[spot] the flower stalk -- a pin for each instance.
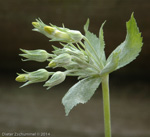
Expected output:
(106, 105)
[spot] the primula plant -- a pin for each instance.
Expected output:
(82, 56)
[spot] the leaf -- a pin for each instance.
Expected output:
(131, 47)
(102, 44)
(86, 26)
(97, 43)
(112, 65)
(81, 92)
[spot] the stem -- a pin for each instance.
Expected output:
(106, 105)
(79, 61)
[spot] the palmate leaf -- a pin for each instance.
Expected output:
(98, 44)
(130, 48)
(81, 92)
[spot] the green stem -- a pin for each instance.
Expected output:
(106, 105)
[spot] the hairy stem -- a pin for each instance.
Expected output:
(106, 105)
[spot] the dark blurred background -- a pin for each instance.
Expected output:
(33, 109)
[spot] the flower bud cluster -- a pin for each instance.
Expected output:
(74, 60)
(72, 57)
(68, 56)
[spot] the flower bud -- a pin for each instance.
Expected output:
(33, 77)
(75, 35)
(39, 27)
(52, 64)
(77, 53)
(64, 35)
(71, 51)
(57, 78)
(72, 66)
(35, 55)
(61, 60)
(35, 24)
(22, 78)
(58, 33)
(49, 29)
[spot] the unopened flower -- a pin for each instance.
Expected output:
(35, 55)
(72, 51)
(33, 77)
(39, 27)
(61, 60)
(22, 77)
(58, 33)
(57, 78)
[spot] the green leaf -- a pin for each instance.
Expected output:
(86, 26)
(102, 44)
(131, 47)
(112, 65)
(81, 92)
(97, 43)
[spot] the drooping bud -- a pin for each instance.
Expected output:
(57, 78)
(61, 60)
(33, 77)
(58, 33)
(35, 55)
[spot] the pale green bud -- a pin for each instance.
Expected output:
(71, 51)
(61, 60)
(33, 77)
(35, 55)
(72, 66)
(75, 35)
(58, 33)
(39, 27)
(66, 35)
(57, 78)
(77, 53)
